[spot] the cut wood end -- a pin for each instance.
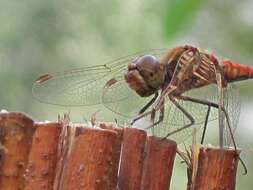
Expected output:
(158, 163)
(17, 118)
(212, 167)
(162, 142)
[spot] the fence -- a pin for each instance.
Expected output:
(57, 156)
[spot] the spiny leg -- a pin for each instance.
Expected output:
(205, 125)
(160, 119)
(140, 116)
(148, 104)
(142, 112)
(214, 105)
(188, 115)
(244, 166)
(152, 113)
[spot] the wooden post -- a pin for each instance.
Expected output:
(90, 162)
(158, 163)
(40, 170)
(146, 162)
(216, 169)
(132, 158)
(116, 155)
(56, 156)
(16, 131)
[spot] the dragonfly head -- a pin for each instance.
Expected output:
(145, 75)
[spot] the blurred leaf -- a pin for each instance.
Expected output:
(178, 14)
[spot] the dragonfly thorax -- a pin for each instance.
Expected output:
(145, 75)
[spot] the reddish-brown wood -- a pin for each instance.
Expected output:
(158, 164)
(16, 132)
(216, 169)
(65, 140)
(90, 162)
(40, 170)
(132, 157)
(57, 156)
(116, 155)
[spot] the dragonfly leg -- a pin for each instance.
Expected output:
(141, 116)
(188, 115)
(148, 104)
(152, 116)
(142, 112)
(214, 105)
(152, 113)
(205, 125)
(185, 62)
(160, 119)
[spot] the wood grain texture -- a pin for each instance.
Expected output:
(117, 152)
(158, 164)
(90, 162)
(41, 166)
(216, 169)
(132, 157)
(16, 131)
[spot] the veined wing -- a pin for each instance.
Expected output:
(127, 101)
(83, 86)
(121, 100)
(175, 119)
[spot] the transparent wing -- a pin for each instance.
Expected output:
(127, 103)
(121, 100)
(174, 118)
(233, 106)
(105, 84)
(84, 86)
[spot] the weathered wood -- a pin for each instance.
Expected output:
(158, 164)
(132, 157)
(216, 169)
(16, 132)
(116, 155)
(64, 146)
(61, 157)
(40, 170)
(90, 162)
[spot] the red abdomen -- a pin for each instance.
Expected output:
(236, 72)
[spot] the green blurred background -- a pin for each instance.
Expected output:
(38, 37)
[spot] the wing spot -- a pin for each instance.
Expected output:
(110, 82)
(43, 78)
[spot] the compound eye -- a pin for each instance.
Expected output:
(146, 60)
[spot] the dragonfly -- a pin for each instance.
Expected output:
(167, 90)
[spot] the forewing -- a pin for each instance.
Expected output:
(84, 86)
(122, 100)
